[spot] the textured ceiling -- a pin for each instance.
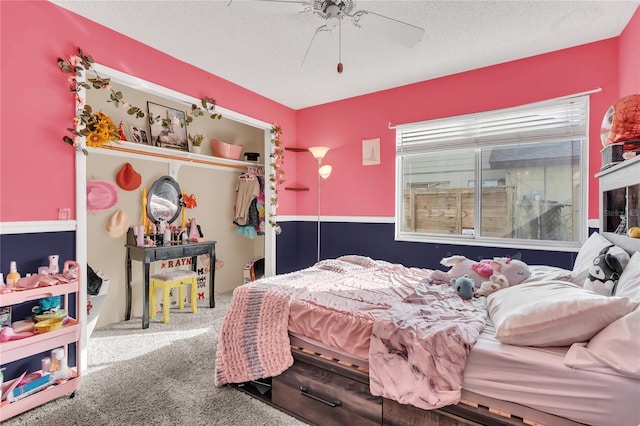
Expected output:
(261, 45)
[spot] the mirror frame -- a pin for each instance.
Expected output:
(164, 180)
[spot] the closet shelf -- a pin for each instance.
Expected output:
(172, 154)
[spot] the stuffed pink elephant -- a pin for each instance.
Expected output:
(515, 271)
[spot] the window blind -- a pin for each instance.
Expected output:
(548, 121)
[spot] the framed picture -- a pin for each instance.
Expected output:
(370, 152)
(170, 129)
(137, 134)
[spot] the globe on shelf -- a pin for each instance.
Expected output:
(621, 122)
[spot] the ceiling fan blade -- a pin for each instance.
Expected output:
(392, 29)
(271, 7)
(320, 47)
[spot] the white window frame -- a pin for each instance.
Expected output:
(468, 132)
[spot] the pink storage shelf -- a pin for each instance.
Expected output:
(70, 332)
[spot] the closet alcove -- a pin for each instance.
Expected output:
(211, 179)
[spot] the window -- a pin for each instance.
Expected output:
(528, 159)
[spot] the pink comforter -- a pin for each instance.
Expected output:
(419, 347)
(339, 302)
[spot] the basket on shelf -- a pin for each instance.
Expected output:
(50, 324)
(225, 150)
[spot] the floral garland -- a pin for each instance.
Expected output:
(98, 128)
(277, 172)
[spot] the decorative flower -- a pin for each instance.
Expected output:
(81, 62)
(97, 128)
(277, 171)
(189, 201)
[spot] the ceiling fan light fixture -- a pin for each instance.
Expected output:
(333, 11)
(332, 8)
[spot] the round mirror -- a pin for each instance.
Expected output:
(163, 200)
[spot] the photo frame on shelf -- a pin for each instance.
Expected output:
(168, 128)
(137, 134)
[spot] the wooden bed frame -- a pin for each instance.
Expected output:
(319, 389)
(322, 389)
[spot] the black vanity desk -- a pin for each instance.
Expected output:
(154, 254)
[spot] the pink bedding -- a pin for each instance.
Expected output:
(254, 342)
(340, 302)
(419, 348)
(339, 309)
(334, 302)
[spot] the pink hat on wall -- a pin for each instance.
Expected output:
(101, 195)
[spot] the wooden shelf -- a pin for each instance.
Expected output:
(297, 187)
(128, 148)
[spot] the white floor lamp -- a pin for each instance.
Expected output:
(324, 172)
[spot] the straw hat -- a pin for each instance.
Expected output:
(118, 224)
(101, 195)
(127, 178)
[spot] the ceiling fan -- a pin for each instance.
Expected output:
(333, 12)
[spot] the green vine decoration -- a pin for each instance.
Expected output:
(276, 177)
(86, 122)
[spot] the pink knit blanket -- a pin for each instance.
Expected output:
(254, 342)
(419, 347)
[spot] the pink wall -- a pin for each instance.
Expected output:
(356, 190)
(629, 74)
(36, 167)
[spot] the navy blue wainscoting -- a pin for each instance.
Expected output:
(31, 251)
(296, 247)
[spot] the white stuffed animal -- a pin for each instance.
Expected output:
(498, 282)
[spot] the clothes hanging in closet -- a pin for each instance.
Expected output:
(250, 209)
(248, 189)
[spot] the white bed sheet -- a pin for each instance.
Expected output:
(537, 378)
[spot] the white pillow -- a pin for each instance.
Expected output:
(629, 282)
(589, 251)
(552, 313)
(546, 273)
(586, 254)
(617, 347)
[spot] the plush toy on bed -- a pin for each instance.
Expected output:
(514, 270)
(497, 282)
(464, 286)
(604, 273)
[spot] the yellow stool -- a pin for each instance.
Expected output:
(168, 280)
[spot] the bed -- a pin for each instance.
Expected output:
(354, 340)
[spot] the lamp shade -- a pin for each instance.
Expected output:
(318, 152)
(324, 171)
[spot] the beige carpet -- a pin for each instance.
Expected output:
(159, 376)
